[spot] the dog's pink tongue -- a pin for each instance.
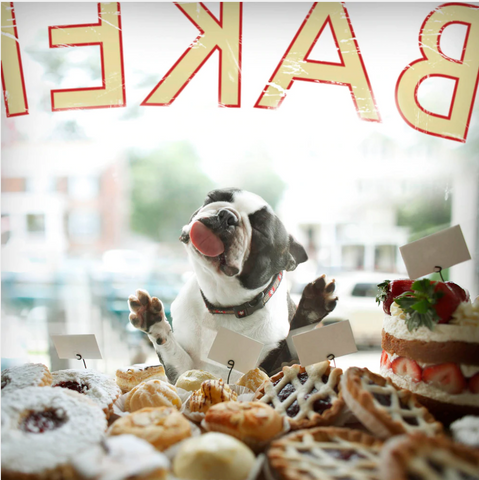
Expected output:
(205, 240)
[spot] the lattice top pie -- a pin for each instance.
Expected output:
(420, 457)
(308, 396)
(383, 409)
(326, 453)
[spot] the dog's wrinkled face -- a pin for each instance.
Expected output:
(236, 233)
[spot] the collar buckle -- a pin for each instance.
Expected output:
(249, 307)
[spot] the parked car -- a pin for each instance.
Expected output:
(356, 293)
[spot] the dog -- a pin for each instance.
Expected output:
(239, 250)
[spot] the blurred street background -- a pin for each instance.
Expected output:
(93, 201)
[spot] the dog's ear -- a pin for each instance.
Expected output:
(296, 254)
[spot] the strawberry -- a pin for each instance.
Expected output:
(388, 291)
(406, 366)
(429, 303)
(385, 362)
(446, 376)
(459, 291)
(474, 383)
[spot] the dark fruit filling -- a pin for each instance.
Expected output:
(286, 391)
(384, 400)
(344, 454)
(5, 381)
(435, 466)
(319, 405)
(293, 409)
(75, 386)
(411, 420)
(39, 422)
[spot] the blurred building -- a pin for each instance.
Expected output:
(61, 198)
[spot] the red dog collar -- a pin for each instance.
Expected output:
(247, 308)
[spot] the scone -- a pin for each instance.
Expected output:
(213, 456)
(129, 377)
(191, 380)
(162, 426)
(253, 379)
(254, 423)
(211, 393)
(153, 393)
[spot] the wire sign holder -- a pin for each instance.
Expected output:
(78, 347)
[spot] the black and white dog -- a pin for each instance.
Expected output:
(239, 250)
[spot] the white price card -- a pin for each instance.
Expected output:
(443, 249)
(316, 345)
(70, 346)
(229, 345)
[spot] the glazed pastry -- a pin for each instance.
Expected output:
(211, 393)
(213, 456)
(254, 423)
(191, 380)
(325, 452)
(161, 426)
(307, 396)
(123, 457)
(253, 379)
(153, 393)
(97, 386)
(27, 375)
(383, 409)
(42, 428)
(129, 377)
(427, 458)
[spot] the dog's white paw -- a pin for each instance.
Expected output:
(148, 315)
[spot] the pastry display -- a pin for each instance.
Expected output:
(325, 452)
(253, 379)
(161, 426)
(254, 423)
(424, 458)
(430, 342)
(97, 386)
(191, 380)
(307, 396)
(153, 393)
(123, 457)
(42, 428)
(213, 456)
(383, 409)
(129, 377)
(210, 393)
(27, 375)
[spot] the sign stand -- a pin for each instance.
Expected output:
(231, 363)
(76, 347)
(439, 270)
(81, 358)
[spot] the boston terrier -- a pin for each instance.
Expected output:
(239, 250)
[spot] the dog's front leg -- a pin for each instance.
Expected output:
(147, 314)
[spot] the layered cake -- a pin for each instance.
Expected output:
(430, 342)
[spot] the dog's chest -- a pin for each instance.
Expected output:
(195, 328)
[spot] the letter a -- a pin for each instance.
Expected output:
(295, 65)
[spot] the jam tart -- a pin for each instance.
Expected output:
(419, 457)
(325, 452)
(308, 396)
(383, 409)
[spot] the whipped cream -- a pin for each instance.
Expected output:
(467, 314)
(427, 390)
(395, 325)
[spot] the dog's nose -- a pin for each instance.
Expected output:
(227, 218)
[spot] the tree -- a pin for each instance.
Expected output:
(168, 185)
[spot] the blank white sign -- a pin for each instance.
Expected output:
(69, 346)
(443, 249)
